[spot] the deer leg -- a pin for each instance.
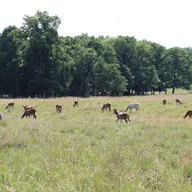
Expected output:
(126, 120)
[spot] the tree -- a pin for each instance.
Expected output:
(83, 81)
(141, 67)
(65, 65)
(125, 48)
(116, 82)
(177, 65)
(10, 61)
(153, 79)
(40, 68)
(108, 79)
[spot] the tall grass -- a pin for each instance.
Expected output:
(84, 149)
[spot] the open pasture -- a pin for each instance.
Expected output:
(84, 149)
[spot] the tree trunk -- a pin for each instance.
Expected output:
(173, 90)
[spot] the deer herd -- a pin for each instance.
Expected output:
(31, 110)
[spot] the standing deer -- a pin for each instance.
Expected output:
(75, 103)
(58, 108)
(29, 112)
(28, 107)
(122, 115)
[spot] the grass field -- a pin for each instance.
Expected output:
(84, 149)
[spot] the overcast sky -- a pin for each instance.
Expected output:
(167, 22)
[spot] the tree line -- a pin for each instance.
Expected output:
(36, 61)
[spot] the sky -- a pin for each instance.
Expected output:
(166, 22)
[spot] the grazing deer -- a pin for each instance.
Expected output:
(106, 106)
(164, 101)
(75, 103)
(132, 106)
(1, 117)
(122, 115)
(189, 113)
(10, 105)
(29, 112)
(178, 101)
(58, 108)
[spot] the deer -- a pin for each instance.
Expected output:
(106, 106)
(10, 105)
(29, 112)
(189, 113)
(28, 107)
(122, 115)
(132, 106)
(178, 101)
(58, 108)
(76, 103)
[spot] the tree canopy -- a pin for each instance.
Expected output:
(36, 61)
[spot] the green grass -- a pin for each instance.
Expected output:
(84, 149)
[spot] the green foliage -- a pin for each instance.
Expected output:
(10, 60)
(83, 82)
(36, 61)
(41, 70)
(177, 62)
(108, 79)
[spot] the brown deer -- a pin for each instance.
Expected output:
(164, 101)
(76, 103)
(178, 101)
(106, 106)
(10, 105)
(122, 115)
(58, 108)
(29, 112)
(27, 108)
(189, 113)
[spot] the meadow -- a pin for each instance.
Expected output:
(84, 149)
